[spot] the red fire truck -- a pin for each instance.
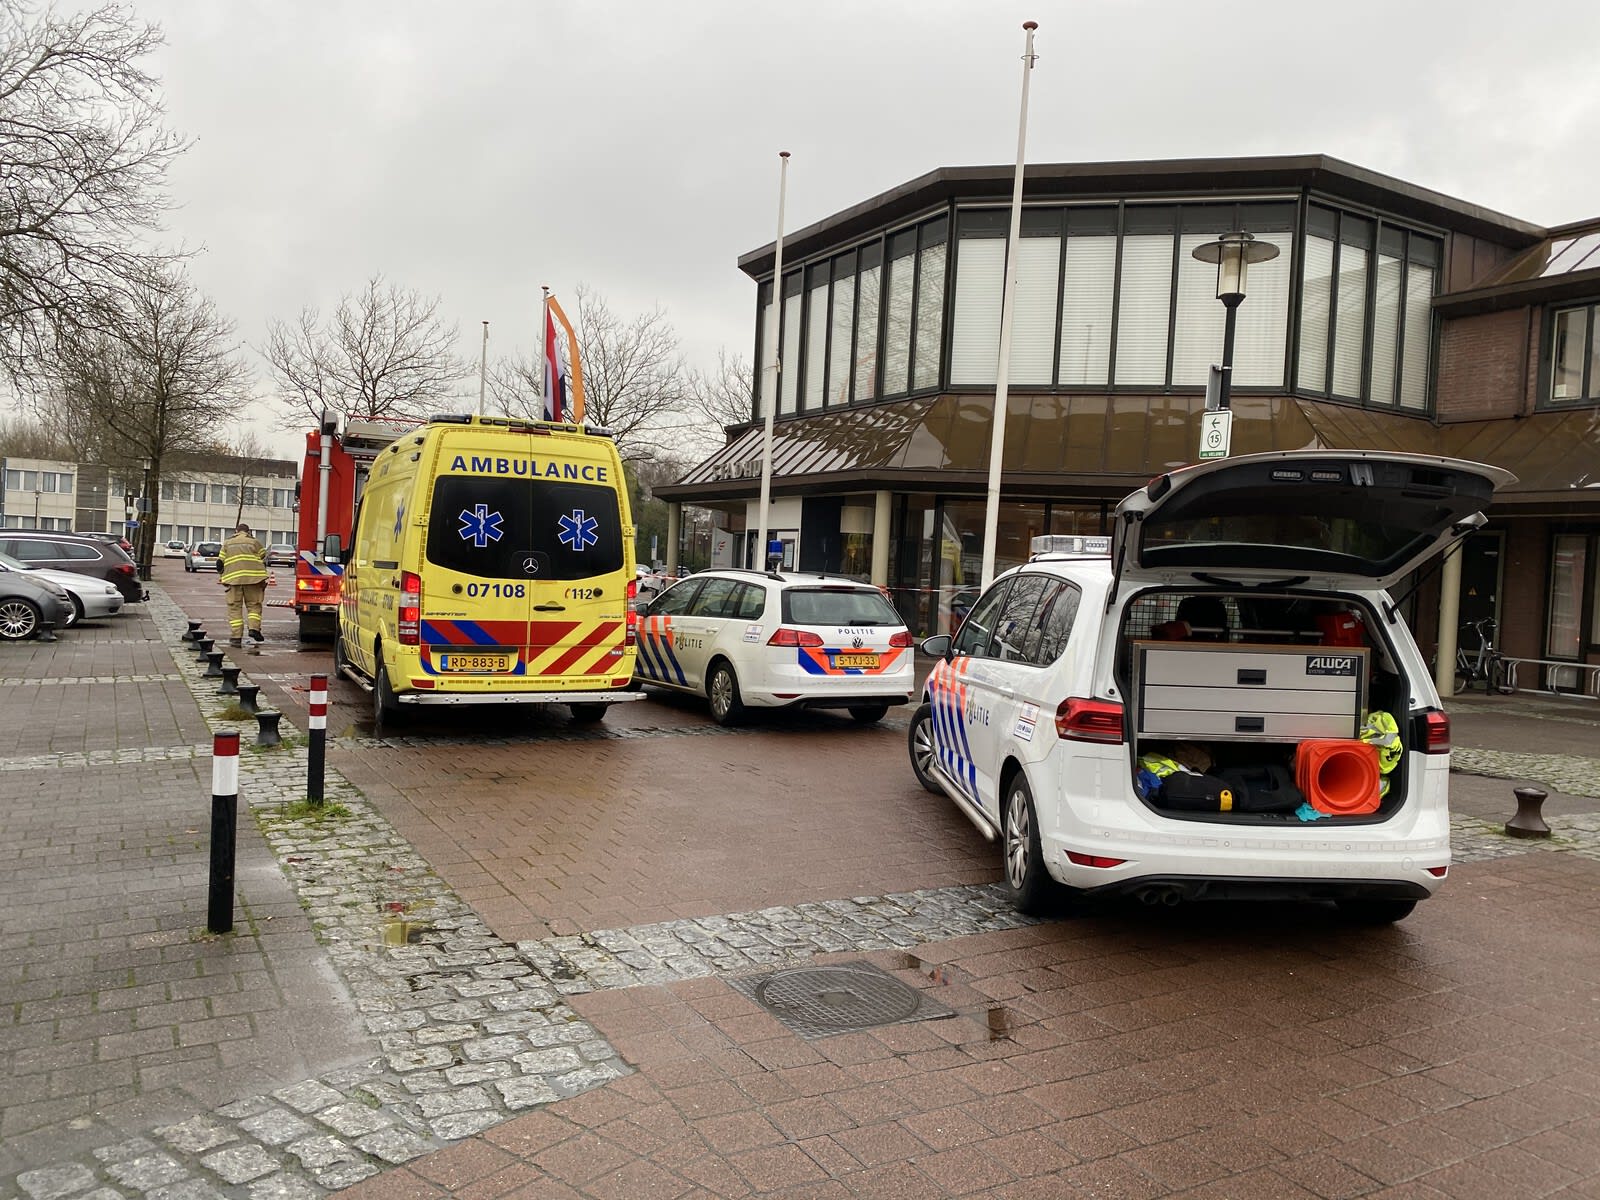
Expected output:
(331, 478)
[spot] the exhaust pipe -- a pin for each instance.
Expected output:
(1152, 896)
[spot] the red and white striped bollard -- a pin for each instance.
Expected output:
(318, 728)
(224, 825)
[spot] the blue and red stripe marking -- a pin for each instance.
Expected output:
(656, 658)
(948, 695)
(822, 662)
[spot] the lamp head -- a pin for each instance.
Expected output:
(1233, 253)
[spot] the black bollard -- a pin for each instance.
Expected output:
(214, 664)
(267, 728)
(1529, 822)
(204, 645)
(194, 633)
(247, 697)
(230, 681)
(224, 825)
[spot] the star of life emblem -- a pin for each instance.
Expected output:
(480, 526)
(578, 530)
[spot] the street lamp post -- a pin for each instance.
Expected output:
(1233, 253)
(147, 545)
(36, 494)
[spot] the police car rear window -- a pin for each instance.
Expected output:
(524, 528)
(837, 606)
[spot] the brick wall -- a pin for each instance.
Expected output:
(1483, 369)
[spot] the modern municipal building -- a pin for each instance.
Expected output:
(1392, 318)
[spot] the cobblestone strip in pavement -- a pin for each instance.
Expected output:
(1570, 773)
(474, 1029)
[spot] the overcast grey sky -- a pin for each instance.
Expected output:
(479, 149)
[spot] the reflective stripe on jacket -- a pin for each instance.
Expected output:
(242, 560)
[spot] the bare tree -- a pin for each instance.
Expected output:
(248, 458)
(46, 434)
(159, 383)
(724, 396)
(83, 160)
(384, 353)
(633, 376)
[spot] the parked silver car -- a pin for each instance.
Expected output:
(30, 607)
(91, 599)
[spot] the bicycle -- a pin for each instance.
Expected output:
(1487, 666)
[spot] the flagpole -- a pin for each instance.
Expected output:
(483, 366)
(997, 436)
(544, 353)
(769, 392)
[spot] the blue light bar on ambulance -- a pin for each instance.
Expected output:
(1068, 543)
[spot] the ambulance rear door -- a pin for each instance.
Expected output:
(527, 565)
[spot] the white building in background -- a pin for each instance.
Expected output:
(38, 493)
(195, 504)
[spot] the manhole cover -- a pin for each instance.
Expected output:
(822, 1001)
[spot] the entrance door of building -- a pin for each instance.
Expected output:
(1481, 558)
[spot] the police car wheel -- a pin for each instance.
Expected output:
(588, 714)
(722, 690)
(919, 742)
(1027, 881)
(1375, 912)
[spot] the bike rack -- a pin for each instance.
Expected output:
(1589, 676)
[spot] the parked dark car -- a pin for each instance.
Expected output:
(116, 539)
(75, 552)
(31, 607)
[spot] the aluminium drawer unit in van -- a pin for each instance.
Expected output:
(1249, 693)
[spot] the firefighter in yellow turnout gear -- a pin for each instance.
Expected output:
(242, 569)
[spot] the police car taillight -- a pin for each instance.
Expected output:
(902, 640)
(1435, 732)
(410, 608)
(794, 637)
(631, 636)
(1081, 720)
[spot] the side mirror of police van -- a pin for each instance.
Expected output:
(938, 646)
(330, 548)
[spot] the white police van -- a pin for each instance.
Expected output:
(1238, 616)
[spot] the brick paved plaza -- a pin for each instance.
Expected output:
(507, 971)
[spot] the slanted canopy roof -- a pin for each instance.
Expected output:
(1099, 446)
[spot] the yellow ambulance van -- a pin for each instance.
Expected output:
(492, 563)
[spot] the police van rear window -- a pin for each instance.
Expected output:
(837, 606)
(524, 528)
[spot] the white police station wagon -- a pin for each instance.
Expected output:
(769, 639)
(1238, 617)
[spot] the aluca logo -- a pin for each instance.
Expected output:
(1330, 664)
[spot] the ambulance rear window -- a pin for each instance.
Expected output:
(499, 528)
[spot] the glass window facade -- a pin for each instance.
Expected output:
(1573, 363)
(1366, 318)
(1111, 296)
